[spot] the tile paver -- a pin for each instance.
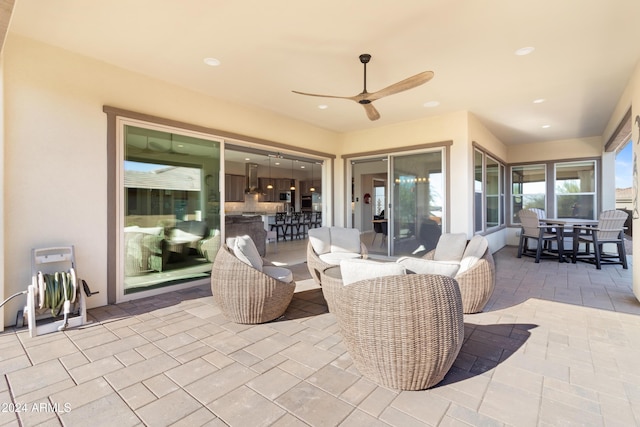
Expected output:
(556, 344)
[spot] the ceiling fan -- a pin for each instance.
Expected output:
(365, 98)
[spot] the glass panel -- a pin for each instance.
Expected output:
(575, 188)
(576, 206)
(418, 188)
(380, 197)
(492, 193)
(171, 208)
(502, 187)
(477, 189)
(579, 177)
(528, 189)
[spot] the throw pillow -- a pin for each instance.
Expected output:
(476, 248)
(450, 247)
(355, 270)
(345, 240)
(320, 239)
(245, 250)
(427, 266)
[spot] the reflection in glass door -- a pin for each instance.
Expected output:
(171, 210)
(417, 203)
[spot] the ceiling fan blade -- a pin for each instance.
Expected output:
(372, 113)
(353, 98)
(401, 86)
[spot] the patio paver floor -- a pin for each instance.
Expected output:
(557, 344)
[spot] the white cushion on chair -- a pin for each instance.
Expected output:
(450, 247)
(427, 266)
(320, 239)
(475, 250)
(245, 250)
(355, 270)
(345, 240)
(279, 273)
(335, 258)
(154, 231)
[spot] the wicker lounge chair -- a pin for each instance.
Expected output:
(245, 294)
(476, 283)
(475, 275)
(402, 332)
(325, 237)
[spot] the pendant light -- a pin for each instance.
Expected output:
(270, 185)
(313, 188)
(293, 183)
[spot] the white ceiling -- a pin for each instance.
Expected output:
(585, 52)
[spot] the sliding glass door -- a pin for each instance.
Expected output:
(397, 201)
(170, 210)
(417, 201)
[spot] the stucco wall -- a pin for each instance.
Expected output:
(55, 190)
(479, 134)
(562, 149)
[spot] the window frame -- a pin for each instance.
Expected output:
(512, 195)
(550, 195)
(480, 204)
(594, 193)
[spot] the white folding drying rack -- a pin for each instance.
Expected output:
(50, 261)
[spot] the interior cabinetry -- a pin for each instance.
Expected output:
(305, 188)
(268, 195)
(283, 185)
(234, 188)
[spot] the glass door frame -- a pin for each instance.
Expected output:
(389, 155)
(121, 123)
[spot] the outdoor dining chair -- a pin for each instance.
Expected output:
(610, 229)
(533, 229)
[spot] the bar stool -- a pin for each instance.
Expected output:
(279, 225)
(293, 226)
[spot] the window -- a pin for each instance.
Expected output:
(171, 208)
(379, 196)
(575, 189)
(488, 192)
(478, 165)
(416, 197)
(528, 189)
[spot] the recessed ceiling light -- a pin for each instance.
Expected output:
(277, 163)
(323, 106)
(247, 159)
(302, 167)
(546, 126)
(525, 51)
(212, 61)
(538, 101)
(431, 104)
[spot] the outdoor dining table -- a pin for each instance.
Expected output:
(561, 225)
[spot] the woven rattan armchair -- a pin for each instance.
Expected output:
(476, 283)
(402, 332)
(246, 295)
(316, 265)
